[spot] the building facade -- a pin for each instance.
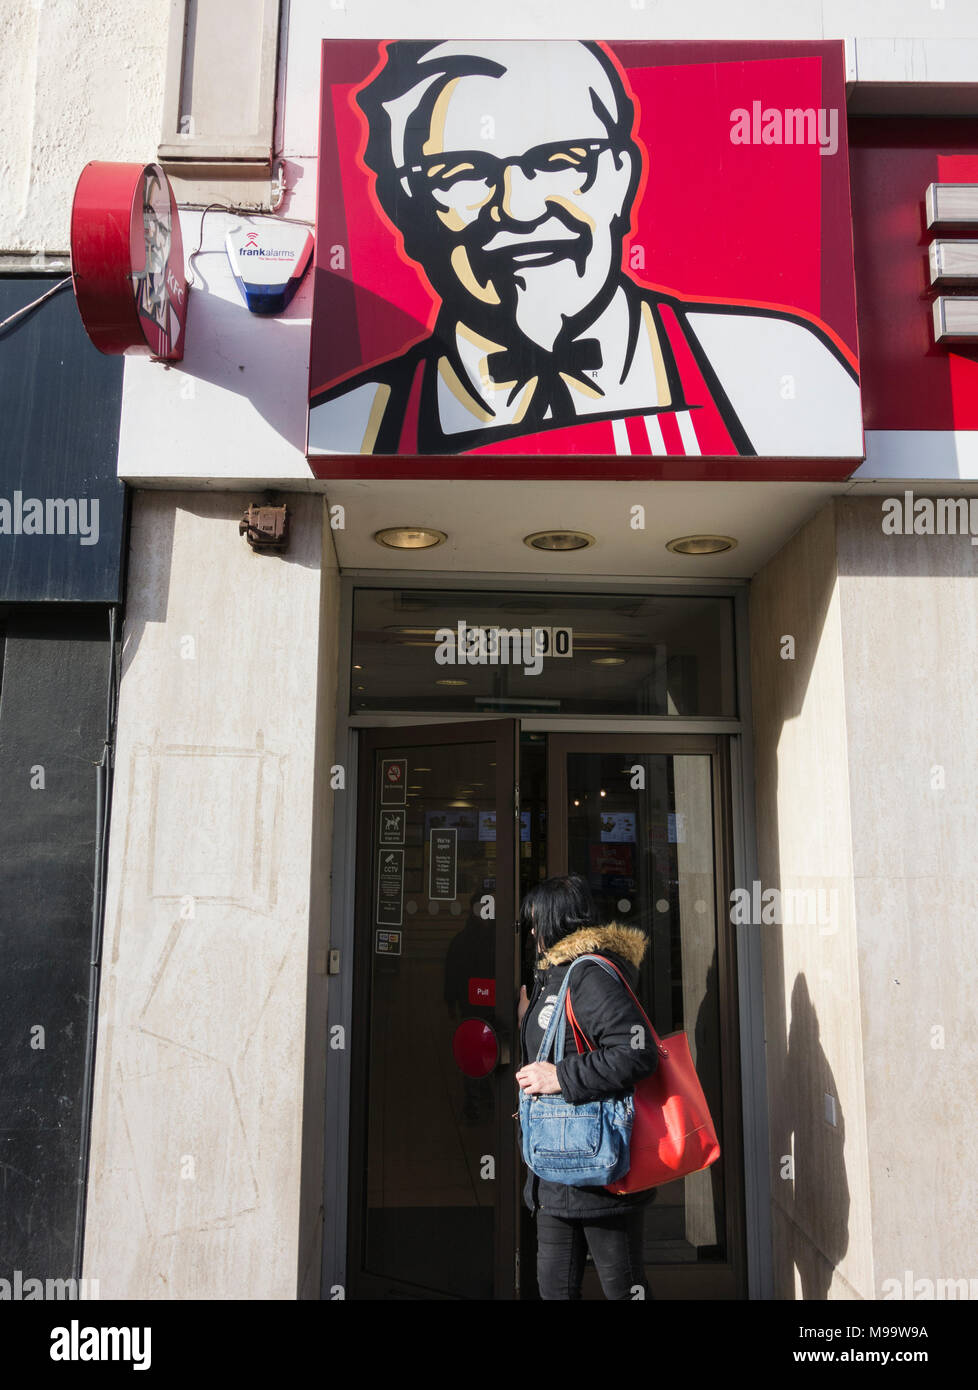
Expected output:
(720, 322)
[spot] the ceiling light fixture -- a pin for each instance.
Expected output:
(409, 537)
(558, 540)
(700, 545)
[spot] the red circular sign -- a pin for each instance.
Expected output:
(475, 1047)
(127, 260)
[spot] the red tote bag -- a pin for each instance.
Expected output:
(672, 1134)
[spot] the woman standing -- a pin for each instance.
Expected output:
(574, 1220)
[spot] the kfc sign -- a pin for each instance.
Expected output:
(567, 252)
(127, 260)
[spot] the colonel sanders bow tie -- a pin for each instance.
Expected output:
(553, 372)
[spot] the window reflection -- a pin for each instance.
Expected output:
(506, 653)
(640, 830)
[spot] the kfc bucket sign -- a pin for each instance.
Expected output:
(566, 252)
(127, 260)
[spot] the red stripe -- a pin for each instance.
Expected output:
(638, 439)
(589, 437)
(585, 468)
(711, 433)
(671, 437)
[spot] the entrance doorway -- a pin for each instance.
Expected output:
(455, 822)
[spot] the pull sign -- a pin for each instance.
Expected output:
(268, 263)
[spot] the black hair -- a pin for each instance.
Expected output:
(405, 67)
(557, 907)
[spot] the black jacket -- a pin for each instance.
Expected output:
(607, 1015)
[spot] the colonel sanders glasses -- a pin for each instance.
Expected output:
(564, 161)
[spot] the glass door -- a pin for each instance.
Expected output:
(645, 820)
(433, 1163)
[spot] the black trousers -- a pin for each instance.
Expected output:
(615, 1243)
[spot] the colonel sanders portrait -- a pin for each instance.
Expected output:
(511, 182)
(152, 294)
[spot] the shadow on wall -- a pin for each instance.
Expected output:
(820, 1188)
(152, 540)
(810, 1210)
(263, 359)
(266, 359)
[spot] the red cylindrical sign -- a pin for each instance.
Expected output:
(127, 260)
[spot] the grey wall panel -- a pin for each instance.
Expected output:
(52, 717)
(60, 402)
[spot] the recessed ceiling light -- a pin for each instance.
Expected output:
(447, 682)
(700, 545)
(607, 661)
(409, 537)
(558, 540)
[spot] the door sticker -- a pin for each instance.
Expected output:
(387, 943)
(391, 829)
(482, 992)
(390, 888)
(443, 865)
(393, 782)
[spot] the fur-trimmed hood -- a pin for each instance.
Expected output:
(628, 942)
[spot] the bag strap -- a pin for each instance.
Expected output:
(557, 1017)
(556, 1026)
(578, 1031)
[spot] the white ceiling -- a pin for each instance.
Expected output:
(486, 521)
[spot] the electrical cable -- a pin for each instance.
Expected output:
(237, 212)
(12, 318)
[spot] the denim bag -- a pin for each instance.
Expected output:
(578, 1145)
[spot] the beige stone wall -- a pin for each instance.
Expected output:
(311, 1215)
(909, 607)
(867, 763)
(82, 79)
(207, 1115)
(819, 1169)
